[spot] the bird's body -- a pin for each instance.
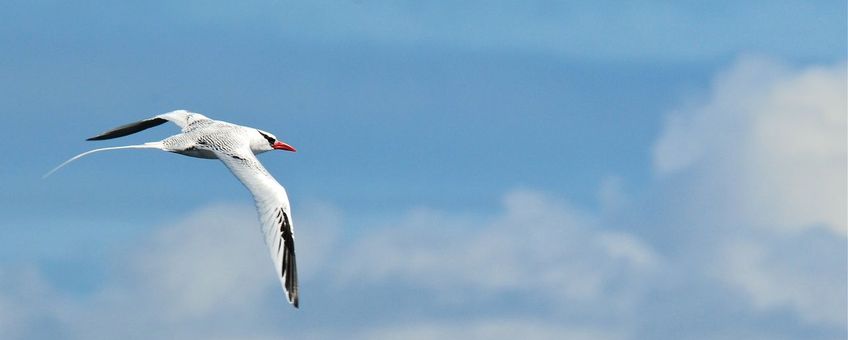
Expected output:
(236, 146)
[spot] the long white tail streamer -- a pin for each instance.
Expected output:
(151, 145)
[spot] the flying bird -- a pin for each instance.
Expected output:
(235, 146)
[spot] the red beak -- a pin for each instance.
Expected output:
(283, 146)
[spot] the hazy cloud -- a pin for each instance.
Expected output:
(491, 329)
(769, 143)
(805, 272)
(762, 166)
(536, 245)
(207, 275)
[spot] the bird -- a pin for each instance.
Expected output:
(235, 146)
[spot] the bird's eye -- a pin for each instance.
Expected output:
(268, 138)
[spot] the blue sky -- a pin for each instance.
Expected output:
(482, 169)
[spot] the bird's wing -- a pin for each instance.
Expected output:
(182, 118)
(272, 204)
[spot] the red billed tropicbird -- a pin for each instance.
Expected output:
(236, 146)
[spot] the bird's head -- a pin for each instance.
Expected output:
(262, 141)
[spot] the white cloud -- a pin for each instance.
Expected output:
(205, 276)
(762, 165)
(769, 146)
(490, 329)
(611, 195)
(537, 245)
(25, 298)
(798, 272)
(210, 260)
(209, 269)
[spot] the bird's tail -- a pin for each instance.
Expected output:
(151, 145)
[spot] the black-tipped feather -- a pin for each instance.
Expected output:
(289, 265)
(129, 129)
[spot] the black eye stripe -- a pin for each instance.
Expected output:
(268, 138)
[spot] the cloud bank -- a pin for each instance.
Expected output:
(763, 163)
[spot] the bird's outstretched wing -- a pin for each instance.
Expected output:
(272, 204)
(182, 118)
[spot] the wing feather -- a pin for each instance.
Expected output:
(131, 128)
(272, 204)
(181, 118)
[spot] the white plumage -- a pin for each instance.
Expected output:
(236, 146)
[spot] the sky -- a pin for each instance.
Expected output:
(465, 170)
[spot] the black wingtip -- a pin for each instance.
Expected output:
(289, 261)
(129, 129)
(291, 279)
